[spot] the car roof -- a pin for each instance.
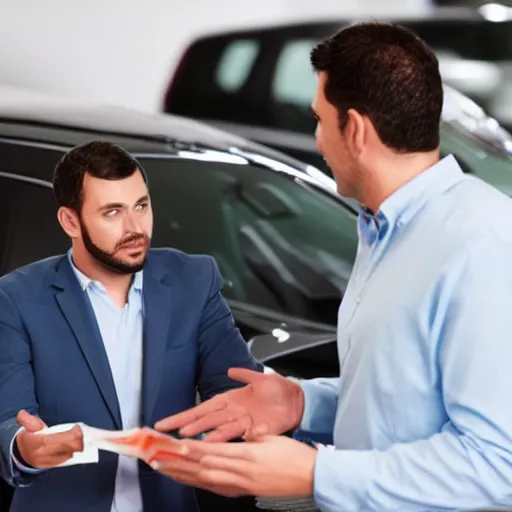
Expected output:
(38, 116)
(311, 25)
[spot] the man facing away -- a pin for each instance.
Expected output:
(113, 334)
(421, 413)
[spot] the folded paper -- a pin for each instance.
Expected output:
(137, 442)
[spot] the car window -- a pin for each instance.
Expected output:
(235, 64)
(293, 87)
(294, 79)
(278, 244)
(29, 229)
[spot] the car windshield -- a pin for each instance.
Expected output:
(279, 243)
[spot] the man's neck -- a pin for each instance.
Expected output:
(390, 174)
(117, 285)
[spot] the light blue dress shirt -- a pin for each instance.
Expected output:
(422, 411)
(122, 334)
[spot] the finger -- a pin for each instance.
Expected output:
(229, 464)
(208, 478)
(30, 422)
(213, 420)
(226, 432)
(200, 449)
(173, 467)
(52, 461)
(193, 481)
(244, 375)
(76, 439)
(181, 419)
(64, 442)
(167, 452)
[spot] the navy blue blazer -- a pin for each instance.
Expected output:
(53, 364)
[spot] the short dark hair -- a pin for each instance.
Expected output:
(100, 159)
(386, 72)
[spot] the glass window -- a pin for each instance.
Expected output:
(236, 63)
(294, 80)
(293, 87)
(29, 230)
(278, 244)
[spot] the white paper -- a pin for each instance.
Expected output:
(89, 455)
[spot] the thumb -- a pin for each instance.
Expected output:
(30, 422)
(244, 375)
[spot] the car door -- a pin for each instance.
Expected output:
(29, 230)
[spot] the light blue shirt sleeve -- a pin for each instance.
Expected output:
(468, 464)
(18, 464)
(320, 404)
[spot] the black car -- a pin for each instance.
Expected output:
(259, 83)
(283, 239)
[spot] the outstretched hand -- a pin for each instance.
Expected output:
(273, 466)
(266, 405)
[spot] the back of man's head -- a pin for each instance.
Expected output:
(388, 74)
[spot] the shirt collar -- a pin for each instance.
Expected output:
(405, 202)
(85, 281)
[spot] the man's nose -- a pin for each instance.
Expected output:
(131, 224)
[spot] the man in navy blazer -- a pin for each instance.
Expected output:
(112, 334)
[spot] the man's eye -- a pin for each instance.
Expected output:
(142, 207)
(111, 213)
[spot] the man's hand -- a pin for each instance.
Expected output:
(268, 404)
(45, 451)
(273, 467)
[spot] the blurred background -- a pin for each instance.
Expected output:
(124, 52)
(284, 240)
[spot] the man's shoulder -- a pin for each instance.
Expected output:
(175, 261)
(30, 278)
(475, 209)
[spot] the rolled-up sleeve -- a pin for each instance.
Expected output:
(320, 405)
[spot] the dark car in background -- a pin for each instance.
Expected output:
(283, 239)
(259, 83)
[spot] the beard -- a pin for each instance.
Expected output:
(108, 259)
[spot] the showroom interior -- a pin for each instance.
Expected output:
(253, 255)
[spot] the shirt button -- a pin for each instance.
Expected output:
(358, 300)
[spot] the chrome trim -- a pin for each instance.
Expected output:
(294, 140)
(35, 144)
(26, 179)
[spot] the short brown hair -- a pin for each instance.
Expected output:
(100, 159)
(386, 72)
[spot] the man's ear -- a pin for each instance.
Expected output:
(68, 219)
(356, 131)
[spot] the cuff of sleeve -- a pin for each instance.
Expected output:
(319, 409)
(339, 481)
(16, 464)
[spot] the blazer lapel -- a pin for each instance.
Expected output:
(78, 311)
(157, 313)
